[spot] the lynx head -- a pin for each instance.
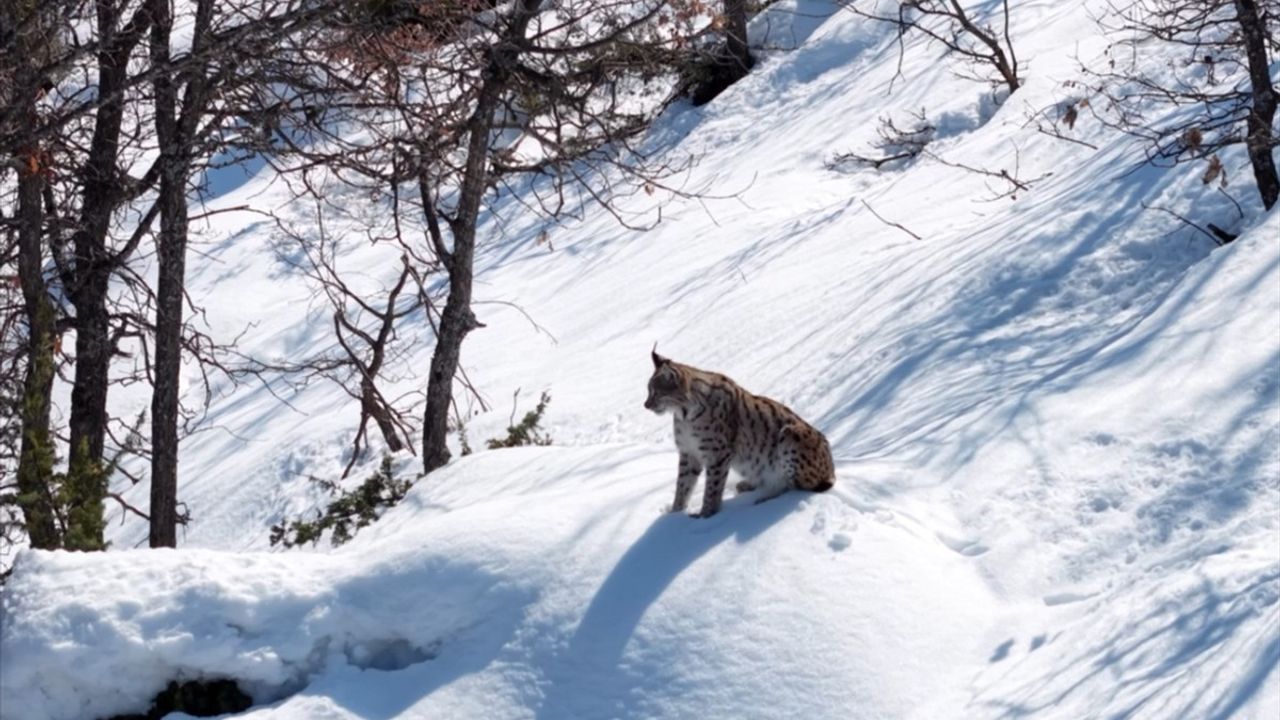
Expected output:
(668, 386)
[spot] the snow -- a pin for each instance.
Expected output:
(1056, 421)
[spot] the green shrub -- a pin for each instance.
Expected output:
(528, 431)
(348, 512)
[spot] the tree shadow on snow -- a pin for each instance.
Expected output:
(1209, 633)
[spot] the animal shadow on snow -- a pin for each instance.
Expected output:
(671, 544)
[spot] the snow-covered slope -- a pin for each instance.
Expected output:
(1056, 420)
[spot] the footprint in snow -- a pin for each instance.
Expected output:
(963, 546)
(842, 524)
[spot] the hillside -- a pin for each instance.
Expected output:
(1056, 421)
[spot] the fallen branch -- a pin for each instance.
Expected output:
(889, 222)
(1218, 239)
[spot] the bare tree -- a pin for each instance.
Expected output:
(1260, 138)
(985, 46)
(535, 100)
(896, 143)
(188, 126)
(30, 35)
(89, 102)
(174, 123)
(1219, 87)
(365, 331)
(103, 191)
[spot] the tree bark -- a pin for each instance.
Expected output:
(171, 255)
(36, 453)
(735, 35)
(176, 130)
(1260, 140)
(35, 460)
(457, 319)
(729, 62)
(101, 191)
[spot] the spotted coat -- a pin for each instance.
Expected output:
(720, 426)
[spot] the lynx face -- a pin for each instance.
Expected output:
(668, 388)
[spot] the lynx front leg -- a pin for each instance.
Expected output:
(690, 468)
(717, 474)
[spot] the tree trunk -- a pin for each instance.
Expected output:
(738, 53)
(36, 456)
(168, 364)
(176, 131)
(171, 254)
(86, 483)
(371, 407)
(1260, 139)
(35, 463)
(729, 62)
(457, 319)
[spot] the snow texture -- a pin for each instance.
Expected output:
(1056, 421)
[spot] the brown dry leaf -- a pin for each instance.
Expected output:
(1192, 138)
(1212, 172)
(1069, 117)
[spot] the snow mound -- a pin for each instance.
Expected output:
(567, 592)
(270, 622)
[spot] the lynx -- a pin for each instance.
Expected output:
(719, 426)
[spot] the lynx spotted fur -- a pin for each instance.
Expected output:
(719, 426)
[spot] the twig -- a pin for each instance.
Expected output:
(520, 310)
(1239, 210)
(127, 506)
(515, 400)
(1055, 133)
(890, 223)
(1217, 240)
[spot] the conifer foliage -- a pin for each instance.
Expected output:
(349, 511)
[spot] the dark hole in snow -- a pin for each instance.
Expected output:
(200, 698)
(396, 654)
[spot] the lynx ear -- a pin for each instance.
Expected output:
(658, 360)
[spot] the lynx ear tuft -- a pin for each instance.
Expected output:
(658, 360)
